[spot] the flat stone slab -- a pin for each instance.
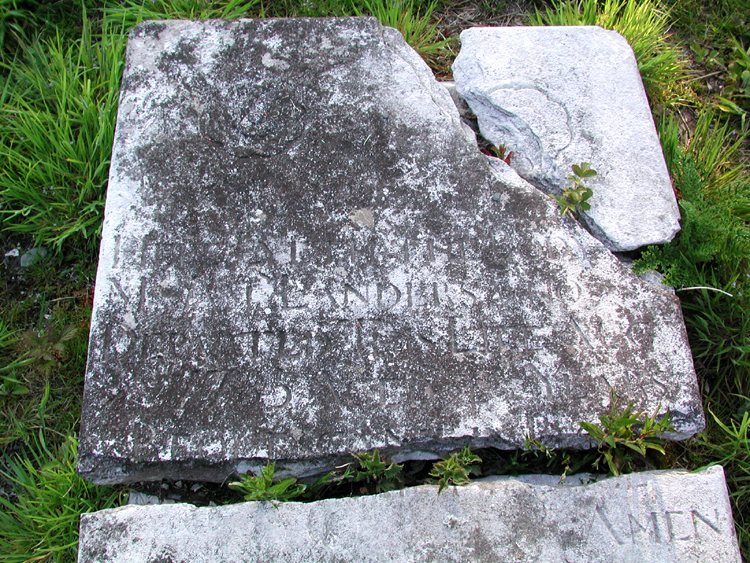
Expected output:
(305, 255)
(658, 517)
(558, 96)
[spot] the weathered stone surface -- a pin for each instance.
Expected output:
(558, 96)
(659, 517)
(305, 255)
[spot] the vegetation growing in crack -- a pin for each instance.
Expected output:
(456, 469)
(626, 437)
(575, 198)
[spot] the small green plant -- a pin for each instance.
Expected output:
(575, 198)
(372, 469)
(500, 152)
(11, 387)
(568, 461)
(46, 349)
(626, 437)
(455, 469)
(263, 488)
(325, 484)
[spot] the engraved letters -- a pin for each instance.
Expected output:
(663, 526)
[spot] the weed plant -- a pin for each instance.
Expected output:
(625, 438)
(382, 473)
(369, 473)
(574, 199)
(456, 469)
(262, 487)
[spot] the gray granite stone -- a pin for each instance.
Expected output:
(659, 517)
(558, 96)
(305, 255)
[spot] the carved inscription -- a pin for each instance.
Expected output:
(663, 526)
(162, 351)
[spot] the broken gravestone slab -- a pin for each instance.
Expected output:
(304, 255)
(558, 96)
(656, 517)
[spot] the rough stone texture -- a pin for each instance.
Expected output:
(558, 96)
(305, 255)
(659, 517)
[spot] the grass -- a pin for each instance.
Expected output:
(718, 35)
(417, 26)
(49, 394)
(713, 250)
(59, 80)
(59, 104)
(39, 522)
(132, 12)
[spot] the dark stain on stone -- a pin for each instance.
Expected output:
(166, 555)
(149, 28)
(482, 549)
(182, 55)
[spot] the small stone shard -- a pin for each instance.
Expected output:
(653, 517)
(299, 263)
(559, 96)
(363, 217)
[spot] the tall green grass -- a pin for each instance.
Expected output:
(39, 517)
(644, 25)
(132, 12)
(726, 442)
(711, 251)
(57, 119)
(414, 23)
(14, 19)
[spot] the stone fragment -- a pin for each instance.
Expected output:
(302, 262)
(558, 96)
(657, 517)
(33, 256)
(137, 498)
